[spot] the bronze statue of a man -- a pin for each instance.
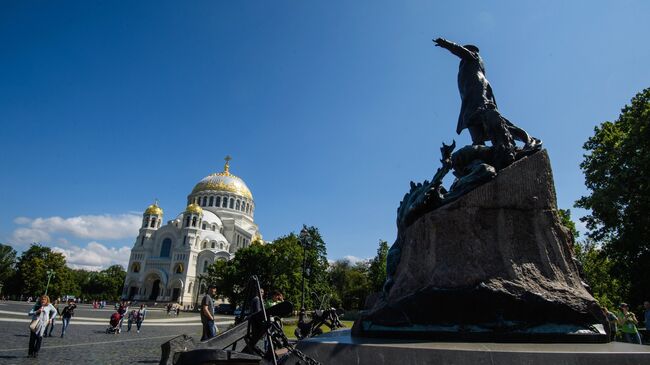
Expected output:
(478, 112)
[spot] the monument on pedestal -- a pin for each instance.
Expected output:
(488, 259)
(482, 264)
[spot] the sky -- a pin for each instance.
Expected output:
(328, 108)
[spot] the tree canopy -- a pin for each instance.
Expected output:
(7, 263)
(278, 266)
(31, 273)
(617, 173)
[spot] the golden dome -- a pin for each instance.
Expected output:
(223, 181)
(154, 209)
(194, 208)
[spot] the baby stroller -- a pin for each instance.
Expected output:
(114, 323)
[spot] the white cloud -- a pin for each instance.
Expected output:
(94, 227)
(95, 256)
(22, 220)
(28, 235)
(353, 259)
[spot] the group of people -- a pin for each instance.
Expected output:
(624, 324)
(43, 315)
(99, 304)
(173, 308)
(133, 316)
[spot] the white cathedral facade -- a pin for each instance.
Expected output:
(166, 260)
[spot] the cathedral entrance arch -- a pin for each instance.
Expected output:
(177, 289)
(155, 283)
(155, 290)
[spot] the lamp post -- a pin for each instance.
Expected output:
(50, 273)
(305, 241)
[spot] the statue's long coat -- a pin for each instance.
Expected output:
(475, 90)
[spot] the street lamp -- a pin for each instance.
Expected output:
(305, 241)
(50, 273)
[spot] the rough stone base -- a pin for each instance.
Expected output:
(497, 260)
(340, 348)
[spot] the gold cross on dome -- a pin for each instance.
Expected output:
(226, 167)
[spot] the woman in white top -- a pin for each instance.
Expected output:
(42, 315)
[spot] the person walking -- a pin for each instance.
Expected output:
(40, 319)
(207, 313)
(627, 320)
(122, 309)
(53, 316)
(140, 316)
(66, 315)
(130, 320)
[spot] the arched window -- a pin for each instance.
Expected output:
(179, 269)
(205, 266)
(211, 201)
(166, 247)
(218, 202)
(193, 221)
(189, 287)
(153, 222)
(212, 244)
(237, 205)
(204, 244)
(135, 267)
(232, 203)
(187, 221)
(224, 202)
(205, 226)
(221, 245)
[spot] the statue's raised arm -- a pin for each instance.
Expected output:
(458, 50)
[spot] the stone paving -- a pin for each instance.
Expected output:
(86, 342)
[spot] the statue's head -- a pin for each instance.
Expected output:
(471, 47)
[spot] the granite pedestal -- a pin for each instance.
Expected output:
(339, 348)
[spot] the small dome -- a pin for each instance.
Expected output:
(154, 209)
(194, 208)
(223, 181)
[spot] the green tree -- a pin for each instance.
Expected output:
(350, 283)
(106, 284)
(617, 173)
(595, 266)
(278, 266)
(377, 269)
(7, 265)
(597, 270)
(31, 276)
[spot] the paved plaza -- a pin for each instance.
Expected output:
(86, 341)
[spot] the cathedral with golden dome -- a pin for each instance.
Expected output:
(167, 260)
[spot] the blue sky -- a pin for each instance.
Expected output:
(328, 108)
